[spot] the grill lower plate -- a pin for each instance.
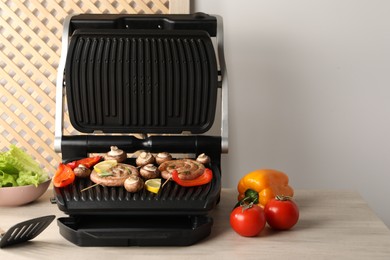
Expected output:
(172, 199)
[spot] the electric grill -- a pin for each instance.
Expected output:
(140, 82)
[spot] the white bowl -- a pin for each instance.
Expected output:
(20, 195)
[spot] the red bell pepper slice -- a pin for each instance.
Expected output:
(63, 176)
(205, 178)
(87, 162)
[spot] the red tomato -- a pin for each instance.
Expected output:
(281, 213)
(248, 221)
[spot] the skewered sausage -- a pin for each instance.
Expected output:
(115, 176)
(187, 169)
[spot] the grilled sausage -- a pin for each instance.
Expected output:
(187, 169)
(116, 176)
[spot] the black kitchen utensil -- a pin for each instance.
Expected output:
(25, 230)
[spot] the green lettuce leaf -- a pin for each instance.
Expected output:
(28, 178)
(7, 180)
(21, 167)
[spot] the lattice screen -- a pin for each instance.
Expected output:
(30, 46)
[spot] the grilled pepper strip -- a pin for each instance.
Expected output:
(87, 162)
(268, 184)
(63, 176)
(205, 178)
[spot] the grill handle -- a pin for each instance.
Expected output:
(80, 146)
(196, 21)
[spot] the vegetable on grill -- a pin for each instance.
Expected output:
(82, 171)
(116, 154)
(63, 176)
(205, 178)
(163, 157)
(144, 158)
(133, 183)
(203, 158)
(87, 162)
(149, 171)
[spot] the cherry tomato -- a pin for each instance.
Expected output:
(281, 213)
(248, 220)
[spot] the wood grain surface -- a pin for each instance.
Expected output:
(332, 225)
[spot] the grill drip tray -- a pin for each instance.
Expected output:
(135, 230)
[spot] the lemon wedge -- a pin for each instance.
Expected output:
(105, 166)
(153, 185)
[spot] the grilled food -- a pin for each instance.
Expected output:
(114, 176)
(187, 169)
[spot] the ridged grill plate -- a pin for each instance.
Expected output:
(141, 81)
(172, 199)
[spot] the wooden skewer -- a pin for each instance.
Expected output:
(166, 181)
(89, 187)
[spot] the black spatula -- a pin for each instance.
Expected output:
(25, 231)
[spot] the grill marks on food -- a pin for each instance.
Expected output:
(187, 169)
(116, 175)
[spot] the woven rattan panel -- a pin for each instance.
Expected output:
(30, 46)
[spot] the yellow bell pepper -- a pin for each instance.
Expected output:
(267, 183)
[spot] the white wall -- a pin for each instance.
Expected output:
(309, 92)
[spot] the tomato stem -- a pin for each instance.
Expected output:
(283, 197)
(251, 197)
(246, 206)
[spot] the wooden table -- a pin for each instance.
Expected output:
(332, 225)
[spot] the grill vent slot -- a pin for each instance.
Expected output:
(127, 81)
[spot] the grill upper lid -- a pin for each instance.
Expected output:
(141, 81)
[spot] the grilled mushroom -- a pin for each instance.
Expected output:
(144, 158)
(203, 158)
(163, 157)
(149, 171)
(82, 171)
(133, 183)
(116, 154)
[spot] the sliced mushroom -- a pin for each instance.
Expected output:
(133, 183)
(82, 171)
(149, 171)
(163, 157)
(203, 158)
(144, 158)
(116, 154)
